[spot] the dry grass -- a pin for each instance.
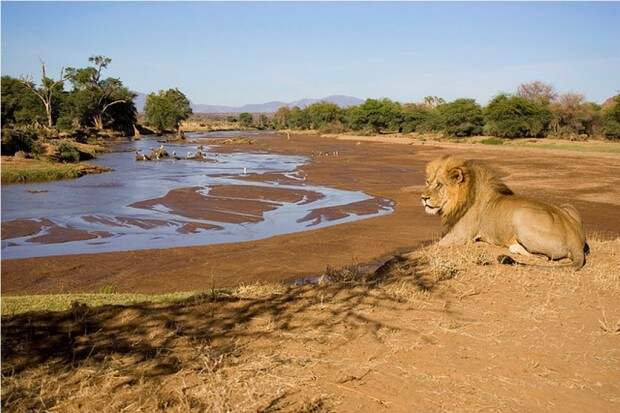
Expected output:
(447, 327)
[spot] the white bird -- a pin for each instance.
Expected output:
(245, 171)
(161, 147)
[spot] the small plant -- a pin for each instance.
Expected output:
(349, 273)
(67, 153)
(108, 289)
(442, 269)
(492, 141)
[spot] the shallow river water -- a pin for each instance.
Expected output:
(230, 197)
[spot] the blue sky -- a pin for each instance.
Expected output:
(237, 53)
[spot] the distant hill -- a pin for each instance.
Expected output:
(267, 107)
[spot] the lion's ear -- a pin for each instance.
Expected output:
(456, 175)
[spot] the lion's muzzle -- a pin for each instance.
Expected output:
(428, 208)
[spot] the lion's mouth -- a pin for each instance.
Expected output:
(431, 210)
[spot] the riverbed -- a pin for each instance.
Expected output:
(223, 198)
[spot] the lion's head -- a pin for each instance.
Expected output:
(453, 185)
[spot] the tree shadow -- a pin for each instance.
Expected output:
(148, 335)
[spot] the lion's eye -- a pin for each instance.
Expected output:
(439, 185)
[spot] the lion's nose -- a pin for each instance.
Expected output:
(425, 198)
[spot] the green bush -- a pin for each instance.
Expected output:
(516, 117)
(333, 127)
(492, 141)
(67, 153)
(463, 117)
(14, 140)
(298, 118)
(611, 119)
(376, 116)
(246, 119)
(322, 113)
(416, 118)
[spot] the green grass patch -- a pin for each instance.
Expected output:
(492, 141)
(59, 302)
(32, 170)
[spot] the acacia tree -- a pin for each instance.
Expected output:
(47, 92)
(98, 94)
(166, 109)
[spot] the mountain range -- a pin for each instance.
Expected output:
(267, 107)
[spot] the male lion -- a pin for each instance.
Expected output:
(475, 205)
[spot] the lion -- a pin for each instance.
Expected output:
(475, 205)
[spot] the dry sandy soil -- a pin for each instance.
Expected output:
(436, 330)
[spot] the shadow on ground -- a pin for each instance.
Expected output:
(157, 340)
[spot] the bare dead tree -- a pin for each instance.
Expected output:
(537, 91)
(47, 90)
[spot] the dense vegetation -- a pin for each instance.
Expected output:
(92, 101)
(166, 109)
(535, 110)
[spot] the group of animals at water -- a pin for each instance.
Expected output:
(161, 153)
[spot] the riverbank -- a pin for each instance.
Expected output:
(389, 171)
(585, 146)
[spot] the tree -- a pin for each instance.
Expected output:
(281, 117)
(416, 117)
(98, 95)
(323, 113)
(516, 117)
(611, 118)
(537, 91)
(376, 115)
(299, 118)
(166, 109)
(463, 117)
(246, 119)
(264, 122)
(20, 105)
(572, 115)
(47, 92)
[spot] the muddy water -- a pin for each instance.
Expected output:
(172, 203)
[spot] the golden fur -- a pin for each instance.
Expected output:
(475, 205)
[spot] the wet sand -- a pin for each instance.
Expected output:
(227, 203)
(48, 232)
(389, 171)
